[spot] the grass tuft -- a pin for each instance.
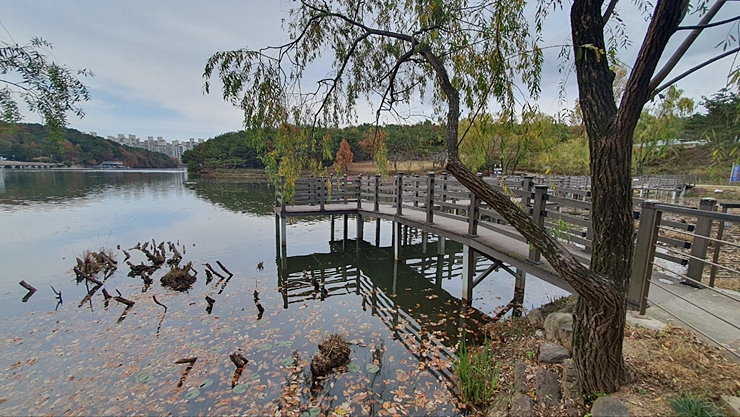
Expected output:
(688, 406)
(477, 374)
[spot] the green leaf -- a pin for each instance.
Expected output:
(372, 368)
(144, 376)
(206, 383)
(288, 361)
(239, 389)
(353, 367)
(192, 393)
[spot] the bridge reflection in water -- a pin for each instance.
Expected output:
(406, 294)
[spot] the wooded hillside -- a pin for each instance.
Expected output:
(31, 142)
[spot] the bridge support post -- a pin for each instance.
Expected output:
(344, 232)
(424, 241)
(440, 270)
(331, 234)
(397, 240)
(520, 282)
(377, 232)
(468, 274)
(440, 245)
(283, 231)
(360, 229)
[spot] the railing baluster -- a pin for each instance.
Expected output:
(430, 198)
(538, 213)
(699, 245)
(473, 213)
(322, 192)
(344, 188)
(416, 190)
(358, 190)
(377, 193)
(642, 264)
(399, 194)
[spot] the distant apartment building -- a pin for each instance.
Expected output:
(174, 149)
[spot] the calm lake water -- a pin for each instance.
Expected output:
(402, 318)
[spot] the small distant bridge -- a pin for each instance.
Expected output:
(27, 165)
(674, 241)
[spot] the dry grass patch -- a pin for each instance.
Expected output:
(670, 363)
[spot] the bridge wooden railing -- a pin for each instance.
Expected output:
(563, 211)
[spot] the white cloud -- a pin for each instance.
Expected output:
(148, 58)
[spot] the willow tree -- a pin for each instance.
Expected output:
(47, 88)
(466, 55)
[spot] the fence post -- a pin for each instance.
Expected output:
(538, 213)
(430, 198)
(358, 190)
(377, 193)
(717, 246)
(322, 192)
(399, 193)
(444, 186)
(282, 193)
(642, 264)
(344, 187)
(416, 190)
(699, 245)
(527, 184)
(473, 213)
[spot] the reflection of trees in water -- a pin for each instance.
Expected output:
(240, 197)
(68, 187)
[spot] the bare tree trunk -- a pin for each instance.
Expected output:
(598, 330)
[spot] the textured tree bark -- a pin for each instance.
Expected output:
(599, 317)
(598, 331)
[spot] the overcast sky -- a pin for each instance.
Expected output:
(148, 57)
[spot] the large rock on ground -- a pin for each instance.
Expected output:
(548, 388)
(520, 377)
(554, 322)
(572, 397)
(521, 405)
(609, 406)
(552, 353)
(535, 317)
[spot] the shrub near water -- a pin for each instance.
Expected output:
(477, 374)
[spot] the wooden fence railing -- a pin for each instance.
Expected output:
(562, 206)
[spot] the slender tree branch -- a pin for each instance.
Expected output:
(389, 91)
(710, 25)
(681, 51)
(694, 69)
(609, 10)
(340, 72)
